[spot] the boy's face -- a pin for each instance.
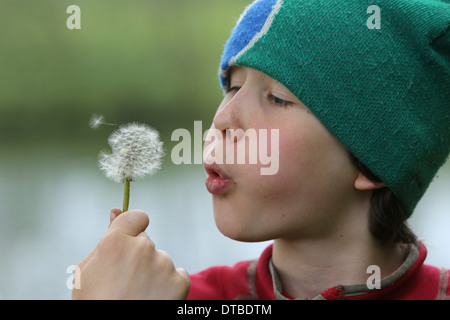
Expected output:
(314, 180)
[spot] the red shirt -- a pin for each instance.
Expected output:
(257, 279)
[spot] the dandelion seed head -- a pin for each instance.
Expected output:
(136, 152)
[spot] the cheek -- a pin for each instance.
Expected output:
(311, 166)
(298, 162)
(315, 168)
(260, 205)
(281, 191)
(256, 207)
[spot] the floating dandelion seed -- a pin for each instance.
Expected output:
(136, 152)
(97, 120)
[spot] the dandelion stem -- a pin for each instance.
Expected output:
(126, 195)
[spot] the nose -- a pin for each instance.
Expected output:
(230, 113)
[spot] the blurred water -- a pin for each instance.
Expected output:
(54, 211)
(53, 215)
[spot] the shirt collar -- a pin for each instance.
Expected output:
(414, 259)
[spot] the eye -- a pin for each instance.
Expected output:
(233, 90)
(279, 102)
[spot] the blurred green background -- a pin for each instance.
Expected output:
(152, 61)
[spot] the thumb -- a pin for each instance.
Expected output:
(131, 222)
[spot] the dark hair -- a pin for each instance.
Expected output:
(387, 218)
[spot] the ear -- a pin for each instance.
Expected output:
(363, 183)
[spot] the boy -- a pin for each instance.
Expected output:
(363, 117)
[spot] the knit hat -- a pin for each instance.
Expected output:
(378, 77)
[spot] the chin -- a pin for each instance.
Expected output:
(239, 230)
(242, 237)
(239, 219)
(245, 237)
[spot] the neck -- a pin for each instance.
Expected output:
(307, 267)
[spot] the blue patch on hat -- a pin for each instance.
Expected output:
(249, 25)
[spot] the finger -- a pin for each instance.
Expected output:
(114, 214)
(131, 222)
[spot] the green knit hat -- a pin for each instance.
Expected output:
(378, 77)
